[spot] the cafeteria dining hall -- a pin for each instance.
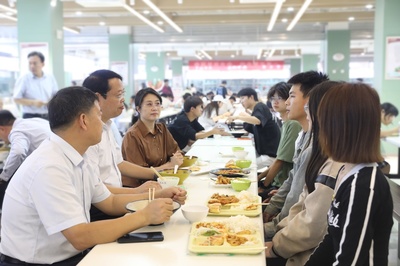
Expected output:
(184, 132)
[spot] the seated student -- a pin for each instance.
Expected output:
(309, 213)
(360, 217)
(24, 135)
(278, 171)
(149, 143)
(212, 114)
(388, 113)
(45, 215)
(186, 129)
(288, 194)
(261, 124)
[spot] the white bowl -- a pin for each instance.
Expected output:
(240, 154)
(194, 213)
(168, 181)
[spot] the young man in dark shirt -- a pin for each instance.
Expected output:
(185, 128)
(261, 124)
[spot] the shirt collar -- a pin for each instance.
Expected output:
(69, 151)
(34, 77)
(143, 129)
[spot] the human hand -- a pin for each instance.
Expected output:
(218, 130)
(268, 251)
(38, 103)
(229, 119)
(144, 188)
(158, 211)
(268, 217)
(272, 192)
(174, 193)
(176, 158)
(262, 175)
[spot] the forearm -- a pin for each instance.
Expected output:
(87, 235)
(390, 132)
(204, 134)
(248, 119)
(11, 165)
(135, 171)
(120, 190)
(27, 102)
(274, 168)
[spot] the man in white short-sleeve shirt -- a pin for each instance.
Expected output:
(34, 90)
(45, 215)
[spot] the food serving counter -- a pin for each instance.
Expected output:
(174, 249)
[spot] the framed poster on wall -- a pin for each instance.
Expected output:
(392, 64)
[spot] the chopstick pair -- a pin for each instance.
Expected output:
(151, 194)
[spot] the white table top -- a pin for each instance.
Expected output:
(174, 249)
(223, 141)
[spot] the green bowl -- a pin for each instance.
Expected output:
(187, 161)
(243, 163)
(237, 148)
(181, 173)
(240, 184)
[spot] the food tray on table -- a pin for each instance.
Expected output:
(234, 235)
(244, 203)
(230, 172)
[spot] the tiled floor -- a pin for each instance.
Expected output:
(393, 261)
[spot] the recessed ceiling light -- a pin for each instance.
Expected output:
(160, 22)
(232, 56)
(78, 13)
(102, 23)
(9, 13)
(369, 6)
(284, 20)
(351, 18)
(290, 9)
(168, 54)
(146, 12)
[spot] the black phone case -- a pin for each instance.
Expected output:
(131, 238)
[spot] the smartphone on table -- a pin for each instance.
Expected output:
(141, 237)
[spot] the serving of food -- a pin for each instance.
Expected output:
(244, 203)
(237, 234)
(230, 172)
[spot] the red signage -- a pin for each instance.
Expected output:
(244, 65)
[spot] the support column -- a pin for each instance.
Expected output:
(309, 62)
(119, 41)
(40, 27)
(386, 25)
(177, 79)
(338, 51)
(155, 67)
(295, 66)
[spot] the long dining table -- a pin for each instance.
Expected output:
(174, 249)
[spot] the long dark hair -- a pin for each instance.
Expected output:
(317, 157)
(210, 107)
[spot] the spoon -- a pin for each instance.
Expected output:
(175, 168)
(157, 173)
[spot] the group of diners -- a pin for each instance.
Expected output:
(329, 201)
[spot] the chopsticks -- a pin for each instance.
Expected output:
(151, 194)
(156, 172)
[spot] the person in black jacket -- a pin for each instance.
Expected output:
(360, 217)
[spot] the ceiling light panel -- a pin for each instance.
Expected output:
(162, 15)
(100, 3)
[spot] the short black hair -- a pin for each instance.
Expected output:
(308, 80)
(248, 92)
(389, 109)
(223, 82)
(67, 104)
(6, 118)
(98, 81)
(232, 98)
(281, 88)
(38, 54)
(192, 101)
(186, 95)
(166, 80)
(142, 93)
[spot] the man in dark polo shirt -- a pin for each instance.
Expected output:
(261, 124)
(186, 129)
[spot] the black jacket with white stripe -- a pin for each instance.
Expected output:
(359, 222)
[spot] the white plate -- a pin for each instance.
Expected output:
(226, 154)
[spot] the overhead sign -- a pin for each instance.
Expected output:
(243, 65)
